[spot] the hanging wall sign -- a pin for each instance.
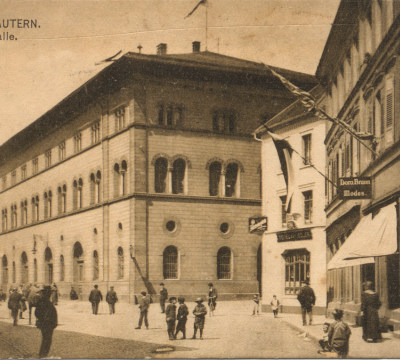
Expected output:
(355, 188)
(258, 224)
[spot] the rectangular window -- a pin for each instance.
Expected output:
(23, 172)
(96, 132)
(119, 119)
(47, 157)
(35, 165)
(61, 151)
(307, 149)
(78, 142)
(224, 121)
(283, 210)
(308, 206)
(170, 115)
(13, 177)
(297, 269)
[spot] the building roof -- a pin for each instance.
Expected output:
(201, 66)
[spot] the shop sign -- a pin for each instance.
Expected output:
(355, 188)
(258, 224)
(294, 235)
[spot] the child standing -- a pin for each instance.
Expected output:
(324, 342)
(275, 306)
(339, 335)
(170, 314)
(200, 313)
(256, 304)
(183, 313)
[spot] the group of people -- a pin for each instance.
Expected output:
(96, 296)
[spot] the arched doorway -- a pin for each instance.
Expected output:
(4, 265)
(78, 262)
(48, 263)
(259, 268)
(24, 268)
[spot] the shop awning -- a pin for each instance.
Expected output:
(372, 237)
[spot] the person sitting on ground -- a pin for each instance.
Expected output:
(324, 342)
(339, 335)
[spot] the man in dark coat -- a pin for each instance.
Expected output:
(14, 304)
(46, 314)
(370, 305)
(111, 299)
(73, 295)
(306, 298)
(212, 298)
(163, 297)
(339, 335)
(199, 313)
(182, 315)
(144, 304)
(170, 315)
(95, 297)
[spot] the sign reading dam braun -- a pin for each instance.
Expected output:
(355, 188)
(294, 235)
(258, 224)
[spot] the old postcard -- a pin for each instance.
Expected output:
(199, 179)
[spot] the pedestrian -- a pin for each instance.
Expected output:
(46, 315)
(72, 294)
(54, 294)
(324, 342)
(3, 295)
(339, 335)
(182, 315)
(200, 313)
(111, 299)
(144, 304)
(21, 290)
(306, 298)
(212, 298)
(170, 316)
(370, 304)
(163, 297)
(95, 297)
(275, 305)
(256, 304)
(14, 304)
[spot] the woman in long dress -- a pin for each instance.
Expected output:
(370, 304)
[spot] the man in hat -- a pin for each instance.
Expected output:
(306, 298)
(339, 335)
(144, 304)
(163, 297)
(14, 304)
(46, 315)
(95, 297)
(212, 298)
(111, 299)
(182, 315)
(200, 313)
(170, 316)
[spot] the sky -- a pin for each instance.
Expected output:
(48, 62)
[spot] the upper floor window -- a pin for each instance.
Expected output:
(232, 180)
(47, 157)
(120, 178)
(23, 172)
(13, 177)
(35, 208)
(120, 263)
(13, 216)
(78, 142)
(24, 212)
(170, 115)
(95, 179)
(61, 151)
(35, 165)
(95, 132)
(283, 210)
(4, 220)
(160, 175)
(308, 206)
(77, 194)
(307, 149)
(119, 119)
(178, 176)
(62, 199)
(48, 204)
(95, 265)
(215, 172)
(224, 121)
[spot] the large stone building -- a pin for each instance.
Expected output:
(360, 70)
(146, 173)
(292, 255)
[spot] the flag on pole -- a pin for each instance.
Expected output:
(201, 2)
(285, 151)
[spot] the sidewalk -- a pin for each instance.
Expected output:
(389, 347)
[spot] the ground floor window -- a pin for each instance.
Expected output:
(297, 269)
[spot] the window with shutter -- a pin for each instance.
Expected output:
(389, 110)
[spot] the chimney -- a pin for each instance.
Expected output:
(162, 49)
(196, 46)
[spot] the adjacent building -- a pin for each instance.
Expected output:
(148, 172)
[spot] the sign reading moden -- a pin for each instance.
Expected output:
(355, 188)
(293, 235)
(258, 224)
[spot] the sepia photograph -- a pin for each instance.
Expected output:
(190, 179)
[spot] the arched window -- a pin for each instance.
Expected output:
(120, 263)
(170, 263)
(35, 271)
(48, 263)
(77, 195)
(35, 208)
(24, 268)
(95, 265)
(47, 204)
(178, 176)
(4, 272)
(92, 188)
(224, 263)
(13, 216)
(78, 262)
(215, 177)
(160, 175)
(62, 199)
(97, 190)
(62, 268)
(124, 168)
(14, 273)
(120, 178)
(24, 212)
(231, 178)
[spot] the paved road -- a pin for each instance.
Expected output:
(232, 332)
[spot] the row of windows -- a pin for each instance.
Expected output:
(307, 208)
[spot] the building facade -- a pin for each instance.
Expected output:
(292, 255)
(146, 173)
(360, 72)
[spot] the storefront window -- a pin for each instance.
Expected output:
(297, 269)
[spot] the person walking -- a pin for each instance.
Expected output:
(144, 304)
(256, 304)
(212, 298)
(46, 315)
(163, 297)
(182, 315)
(200, 313)
(54, 294)
(21, 291)
(14, 304)
(72, 294)
(275, 305)
(170, 316)
(339, 335)
(306, 298)
(95, 297)
(111, 299)
(370, 305)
